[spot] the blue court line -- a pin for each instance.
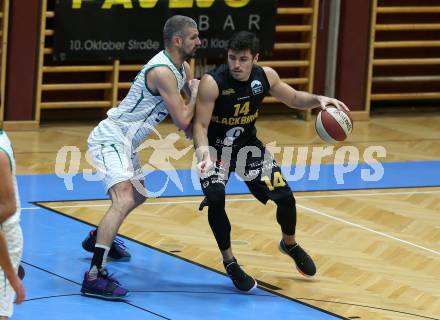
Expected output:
(59, 253)
(164, 286)
(49, 187)
(51, 297)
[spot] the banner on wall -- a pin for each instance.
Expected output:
(102, 30)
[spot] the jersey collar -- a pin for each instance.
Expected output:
(179, 68)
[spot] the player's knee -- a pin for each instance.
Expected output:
(286, 203)
(124, 205)
(124, 202)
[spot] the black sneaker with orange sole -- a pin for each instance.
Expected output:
(303, 261)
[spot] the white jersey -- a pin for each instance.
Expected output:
(140, 111)
(5, 146)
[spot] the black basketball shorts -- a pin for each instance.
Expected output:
(256, 167)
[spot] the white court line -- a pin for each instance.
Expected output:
(347, 194)
(371, 194)
(368, 229)
(298, 205)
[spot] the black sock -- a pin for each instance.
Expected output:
(289, 246)
(98, 256)
(226, 262)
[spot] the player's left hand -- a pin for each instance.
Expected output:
(326, 102)
(204, 166)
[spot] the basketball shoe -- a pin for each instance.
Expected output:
(304, 263)
(104, 286)
(118, 250)
(240, 279)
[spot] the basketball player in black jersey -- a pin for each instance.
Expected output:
(225, 139)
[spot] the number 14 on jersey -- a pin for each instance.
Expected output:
(241, 109)
(278, 181)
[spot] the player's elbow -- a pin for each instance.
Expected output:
(183, 120)
(183, 124)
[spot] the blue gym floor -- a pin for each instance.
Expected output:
(162, 285)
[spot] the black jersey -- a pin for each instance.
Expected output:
(236, 108)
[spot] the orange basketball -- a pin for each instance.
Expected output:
(333, 125)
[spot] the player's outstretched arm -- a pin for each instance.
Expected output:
(208, 93)
(297, 99)
(166, 84)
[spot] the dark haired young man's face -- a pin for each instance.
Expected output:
(240, 64)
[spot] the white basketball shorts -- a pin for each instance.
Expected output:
(115, 164)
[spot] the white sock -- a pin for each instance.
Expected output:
(93, 273)
(104, 250)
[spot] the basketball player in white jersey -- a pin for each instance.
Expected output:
(11, 238)
(154, 94)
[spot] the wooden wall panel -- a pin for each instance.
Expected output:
(86, 86)
(404, 64)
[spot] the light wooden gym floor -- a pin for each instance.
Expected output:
(377, 250)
